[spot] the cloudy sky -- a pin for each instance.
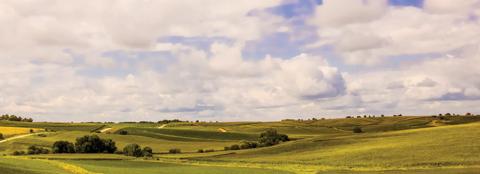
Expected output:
(226, 60)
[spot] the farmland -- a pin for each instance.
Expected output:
(392, 145)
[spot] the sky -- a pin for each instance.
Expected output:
(234, 60)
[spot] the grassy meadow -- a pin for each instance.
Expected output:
(391, 145)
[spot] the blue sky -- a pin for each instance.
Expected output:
(238, 60)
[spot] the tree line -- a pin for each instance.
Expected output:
(15, 118)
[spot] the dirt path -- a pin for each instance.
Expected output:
(222, 130)
(162, 126)
(105, 130)
(17, 137)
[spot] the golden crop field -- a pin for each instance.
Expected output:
(11, 131)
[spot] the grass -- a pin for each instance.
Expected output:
(28, 166)
(53, 126)
(391, 145)
(142, 167)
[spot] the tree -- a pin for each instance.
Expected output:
(271, 137)
(63, 147)
(248, 145)
(357, 130)
(1, 136)
(133, 150)
(94, 144)
(147, 152)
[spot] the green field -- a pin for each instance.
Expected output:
(391, 145)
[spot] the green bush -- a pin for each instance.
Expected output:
(200, 151)
(1, 136)
(133, 150)
(63, 147)
(357, 130)
(174, 151)
(32, 150)
(17, 153)
(248, 145)
(271, 137)
(235, 147)
(147, 152)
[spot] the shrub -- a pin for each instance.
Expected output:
(42, 135)
(248, 145)
(1, 136)
(94, 144)
(357, 130)
(235, 147)
(32, 131)
(270, 137)
(16, 153)
(147, 152)
(123, 132)
(133, 150)
(32, 150)
(174, 151)
(200, 151)
(63, 147)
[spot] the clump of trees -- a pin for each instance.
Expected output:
(271, 137)
(33, 150)
(63, 147)
(94, 144)
(357, 130)
(268, 138)
(136, 151)
(15, 118)
(85, 144)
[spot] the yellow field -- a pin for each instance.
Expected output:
(11, 131)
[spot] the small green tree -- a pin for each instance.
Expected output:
(132, 150)
(235, 147)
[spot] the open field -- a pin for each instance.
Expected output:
(391, 145)
(11, 131)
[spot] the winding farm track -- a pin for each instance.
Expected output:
(105, 130)
(162, 126)
(17, 137)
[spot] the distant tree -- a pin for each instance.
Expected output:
(32, 131)
(271, 137)
(200, 151)
(382, 115)
(448, 114)
(1, 136)
(147, 152)
(174, 151)
(133, 150)
(226, 148)
(468, 114)
(63, 147)
(235, 147)
(357, 130)
(348, 117)
(123, 132)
